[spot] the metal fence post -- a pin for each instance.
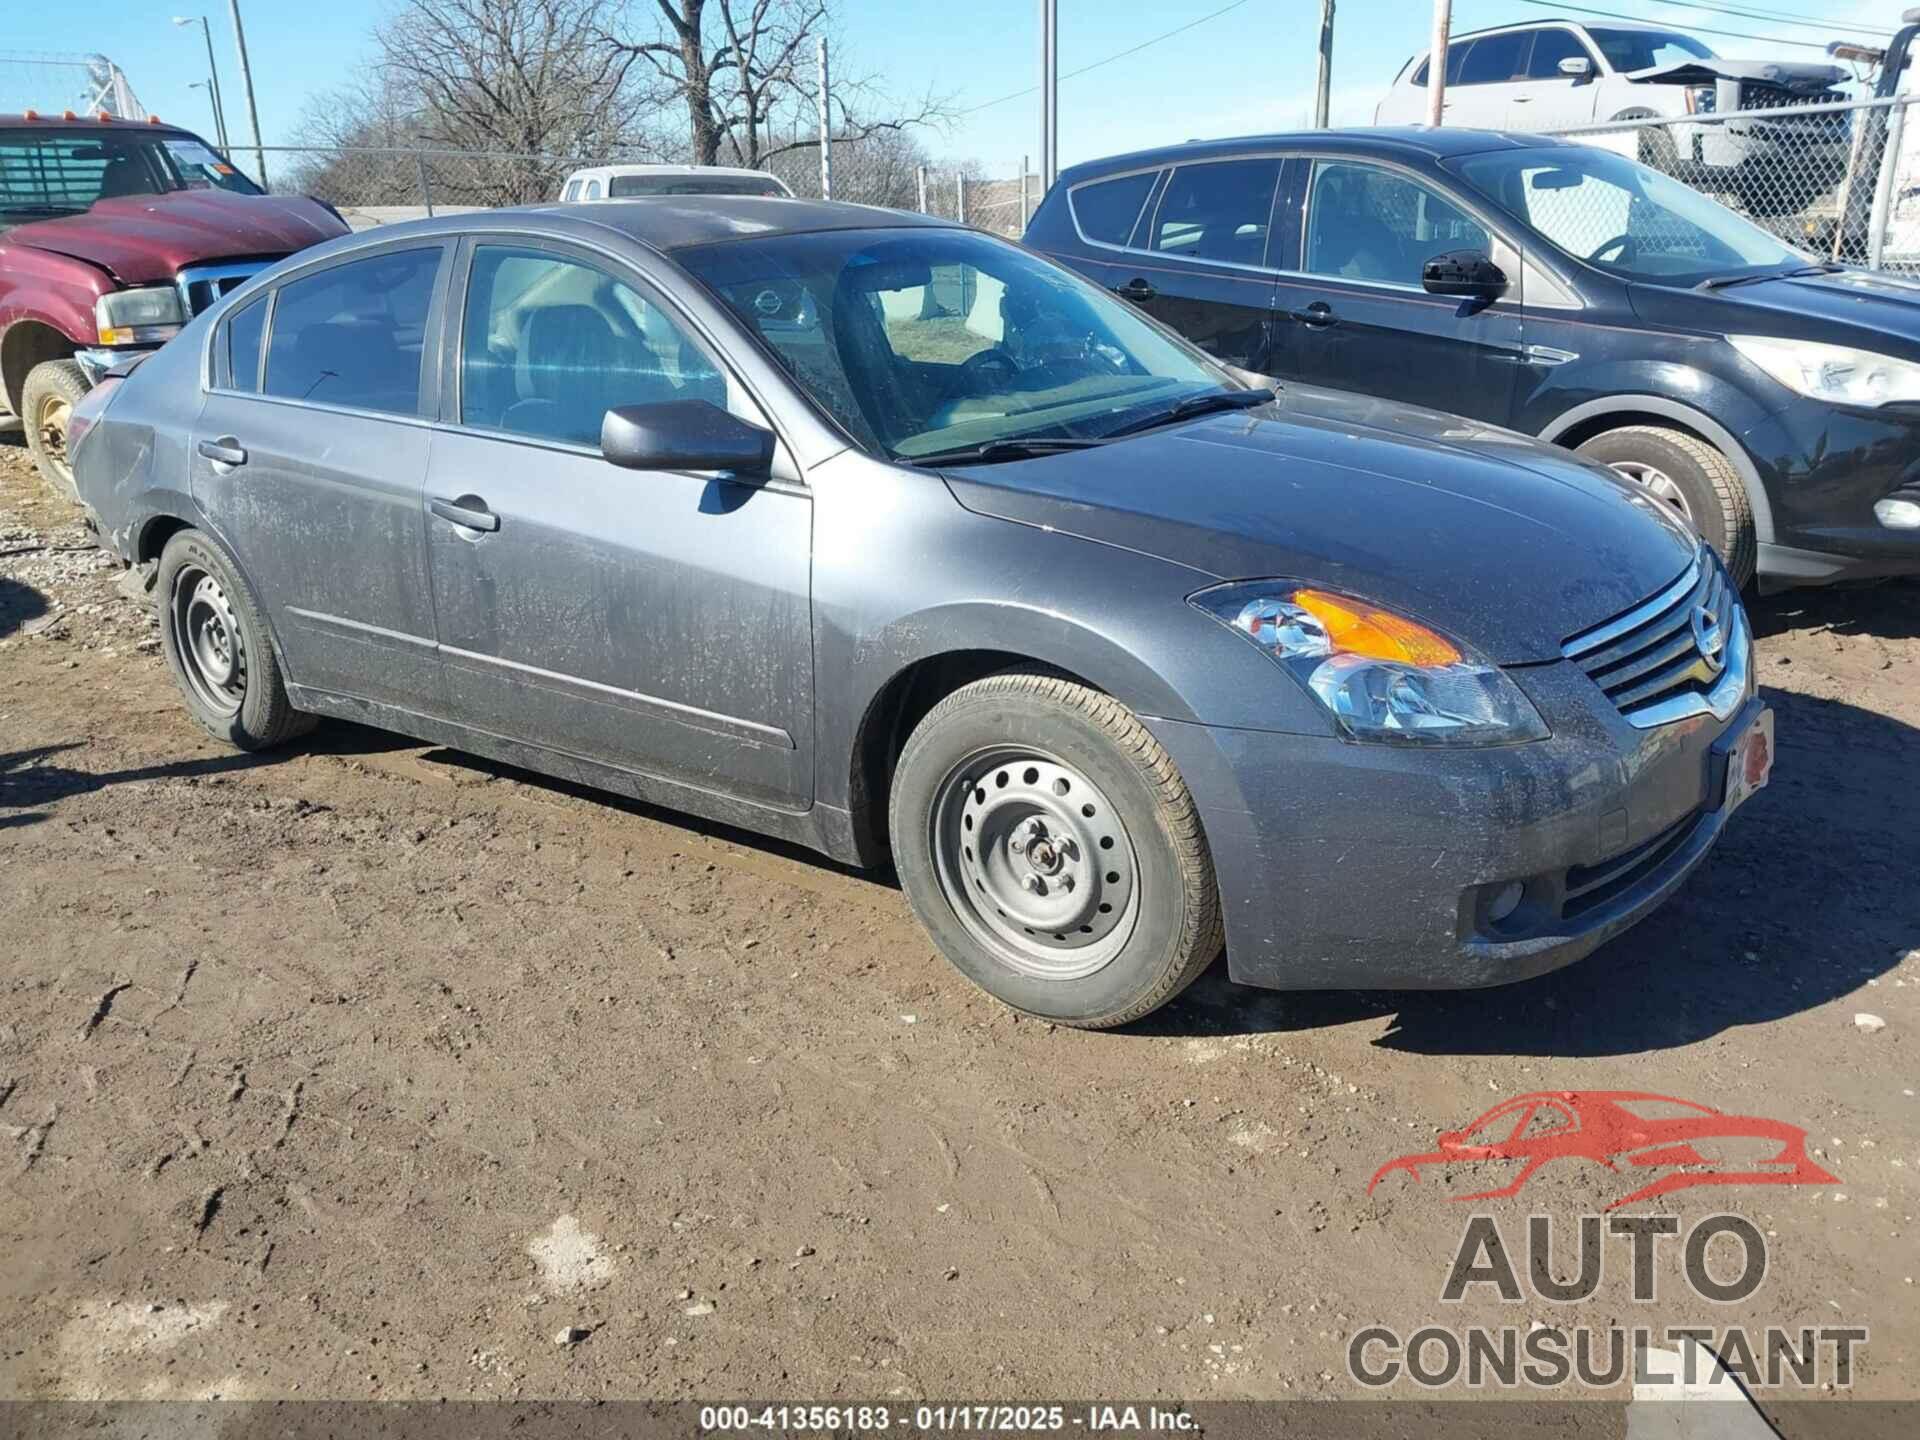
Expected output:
(426, 185)
(826, 130)
(1883, 187)
(960, 198)
(1023, 194)
(923, 189)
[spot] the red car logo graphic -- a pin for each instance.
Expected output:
(1626, 1131)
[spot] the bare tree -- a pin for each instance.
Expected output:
(741, 66)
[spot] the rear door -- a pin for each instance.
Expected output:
(1350, 303)
(309, 459)
(1200, 257)
(658, 621)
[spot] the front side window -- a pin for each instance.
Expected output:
(1621, 216)
(352, 334)
(1630, 50)
(593, 190)
(46, 172)
(1366, 223)
(1495, 59)
(1107, 209)
(1218, 211)
(1550, 47)
(549, 345)
(244, 331)
(926, 341)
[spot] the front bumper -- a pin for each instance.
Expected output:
(1824, 469)
(1345, 866)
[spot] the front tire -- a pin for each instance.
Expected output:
(1050, 848)
(52, 389)
(1696, 480)
(218, 648)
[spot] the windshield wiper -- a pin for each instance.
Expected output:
(1198, 405)
(1720, 282)
(995, 450)
(42, 209)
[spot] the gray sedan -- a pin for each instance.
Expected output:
(889, 538)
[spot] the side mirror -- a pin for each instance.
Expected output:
(1466, 274)
(1577, 66)
(684, 435)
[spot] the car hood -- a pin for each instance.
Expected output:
(1500, 541)
(143, 238)
(1801, 77)
(1883, 306)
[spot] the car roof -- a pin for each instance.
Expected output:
(1385, 141)
(1576, 20)
(676, 222)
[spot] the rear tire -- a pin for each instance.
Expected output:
(1050, 848)
(52, 389)
(219, 649)
(1693, 478)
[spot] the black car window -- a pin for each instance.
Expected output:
(352, 334)
(244, 329)
(1218, 211)
(1494, 59)
(1106, 210)
(1550, 47)
(550, 345)
(1456, 57)
(1367, 223)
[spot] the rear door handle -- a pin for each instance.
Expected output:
(469, 511)
(1318, 315)
(224, 451)
(1136, 290)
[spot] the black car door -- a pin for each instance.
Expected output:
(1351, 313)
(1198, 258)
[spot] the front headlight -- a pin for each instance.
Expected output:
(1382, 677)
(130, 317)
(1836, 373)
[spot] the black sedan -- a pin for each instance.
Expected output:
(1550, 287)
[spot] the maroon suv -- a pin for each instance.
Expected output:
(113, 234)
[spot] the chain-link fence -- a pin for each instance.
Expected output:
(1838, 179)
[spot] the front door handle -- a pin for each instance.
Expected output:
(225, 451)
(469, 512)
(1318, 315)
(1136, 290)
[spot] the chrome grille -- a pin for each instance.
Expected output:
(201, 285)
(1758, 95)
(1684, 652)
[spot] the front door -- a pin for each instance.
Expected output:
(309, 460)
(1545, 98)
(656, 621)
(1200, 257)
(1356, 317)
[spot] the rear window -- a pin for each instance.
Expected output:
(352, 334)
(1106, 210)
(627, 187)
(243, 345)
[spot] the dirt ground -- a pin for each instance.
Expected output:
(369, 1070)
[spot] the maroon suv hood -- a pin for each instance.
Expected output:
(143, 238)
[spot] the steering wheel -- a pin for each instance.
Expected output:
(980, 366)
(1628, 245)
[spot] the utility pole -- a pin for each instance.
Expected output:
(246, 81)
(826, 123)
(1049, 92)
(1437, 63)
(1323, 85)
(213, 79)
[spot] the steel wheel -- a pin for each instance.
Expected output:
(50, 424)
(207, 638)
(1036, 862)
(1657, 482)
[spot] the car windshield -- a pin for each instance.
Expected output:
(626, 187)
(46, 171)
(1630, 50)
(925, 341)
(1622, 217)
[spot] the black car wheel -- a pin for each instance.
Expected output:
(1696, 480)
(218, 648)
(52, 389)
(1052, 851)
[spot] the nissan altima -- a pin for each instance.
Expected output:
(890, 538)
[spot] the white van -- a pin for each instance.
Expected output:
(631, 182)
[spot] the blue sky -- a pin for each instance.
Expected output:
(1250, 69)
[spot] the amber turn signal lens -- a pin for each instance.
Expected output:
(1357, 628)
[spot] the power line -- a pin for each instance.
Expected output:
(1778, 17)
(1118, 55)
(1692, 29)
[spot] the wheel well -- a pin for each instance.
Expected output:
(1574, 436)
(903, 702)
(24, 346)
(154, 536)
